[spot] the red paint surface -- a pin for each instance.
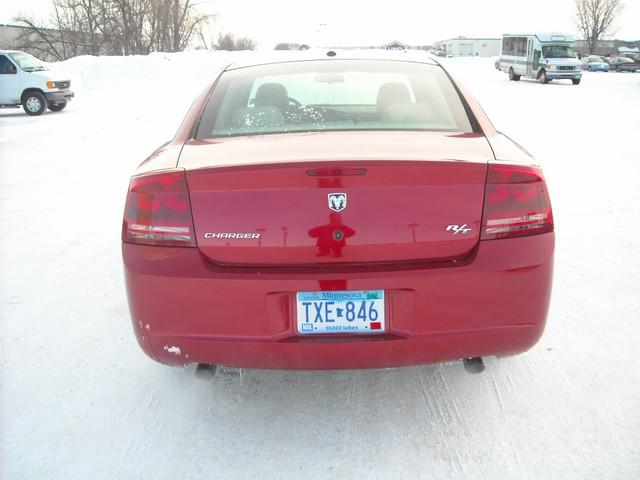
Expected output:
(232, 301)
(495, 305)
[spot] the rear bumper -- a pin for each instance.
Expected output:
(183, 311)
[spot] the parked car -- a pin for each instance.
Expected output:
(496, 64)
(26, 81)
(623, 64)
(344, 211)
(630, 55)
(594, 63)
(292, 46)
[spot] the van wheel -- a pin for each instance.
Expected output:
(512, 75)
(575, 81)
(34, 103)
(542, 77)
(58, 107)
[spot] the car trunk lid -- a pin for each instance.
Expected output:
(337, 199)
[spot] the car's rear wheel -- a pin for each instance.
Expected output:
(542, 77)
(575, 81)
(58, 107)
(513, 76)
(34, 103)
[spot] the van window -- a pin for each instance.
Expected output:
(558, 51)
(516, 46)
(27, 62)
(6, 67)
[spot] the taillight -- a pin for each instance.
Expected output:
(158, 211)
(516, 202)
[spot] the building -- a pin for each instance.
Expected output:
(15, 36)
(51, 45)
(469, 47)
(11, 34)
(606, 47)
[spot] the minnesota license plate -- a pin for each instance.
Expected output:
(349, 311)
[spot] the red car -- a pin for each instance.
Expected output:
(335, 213)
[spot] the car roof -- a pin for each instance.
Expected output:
(286, 56)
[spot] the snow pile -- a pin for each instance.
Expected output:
(79, 400)
(159, 86)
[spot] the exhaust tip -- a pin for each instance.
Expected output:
(473, 364)
(205, 371)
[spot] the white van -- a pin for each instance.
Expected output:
(26, 81)
(541, 56)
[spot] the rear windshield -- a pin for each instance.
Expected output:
(333, 95)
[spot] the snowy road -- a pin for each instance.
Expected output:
(79, 400)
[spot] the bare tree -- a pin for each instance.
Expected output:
(245, 43)
(125, 27)
(595, 19)
(227, 41)
(176, 22)
(78, 27)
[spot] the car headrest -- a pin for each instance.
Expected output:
(391, 93)
(272, 95)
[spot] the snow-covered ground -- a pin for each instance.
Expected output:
(79, 400)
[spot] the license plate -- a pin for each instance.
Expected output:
(349, 311)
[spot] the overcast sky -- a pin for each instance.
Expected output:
(374, 22)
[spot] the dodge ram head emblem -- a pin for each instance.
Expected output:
(337, 201)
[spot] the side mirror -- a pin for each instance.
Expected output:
(11, 69)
